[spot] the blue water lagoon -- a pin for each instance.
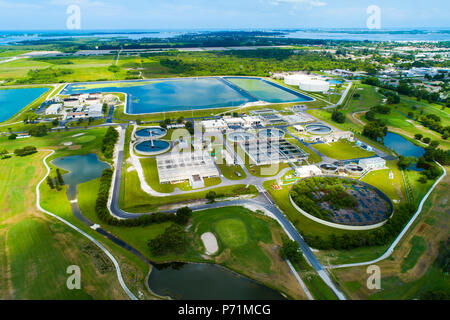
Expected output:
(169, 94)
(14, 100)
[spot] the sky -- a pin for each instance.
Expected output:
(221, 14)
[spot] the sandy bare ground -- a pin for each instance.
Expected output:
(210, 243)
(78, 135)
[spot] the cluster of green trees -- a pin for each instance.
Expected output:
(47, 75)
(375, 130)
(433, 122)
(4, 154)
(309, 193)
(338, 116)
(290, 250)
(109, 141)
(173, 240)
(39, 130)
(245, 62)
(25, 151)
(57, 182)
(377, 237)
(404, 88)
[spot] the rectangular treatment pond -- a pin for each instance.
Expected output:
(165, 95)
(266, 90)
(14, 100)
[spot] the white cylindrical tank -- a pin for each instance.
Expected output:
(295, 79)
(314, 85)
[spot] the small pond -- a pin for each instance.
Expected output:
(82, 168)
(194, 281)
(402, 146)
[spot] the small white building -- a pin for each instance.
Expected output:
(372, 163)
(308, 171)
(214, 125)
(53, 109)
(95, 111)
(252, 121)
(299, 128)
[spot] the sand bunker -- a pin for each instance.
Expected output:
(77, 135)
(210, 243)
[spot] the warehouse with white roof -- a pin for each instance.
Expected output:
(192, 166)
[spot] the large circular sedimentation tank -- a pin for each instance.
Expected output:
(271, 133)
(240, 136)
(318, 128)
(151, 132)
(353, 205)
(152, 147)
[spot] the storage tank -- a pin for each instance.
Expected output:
(314, 85)
(295, 79)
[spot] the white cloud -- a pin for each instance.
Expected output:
(311, 3)
(12, 5)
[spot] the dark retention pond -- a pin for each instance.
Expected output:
(82, 168)
(14, 100)
(196, 281)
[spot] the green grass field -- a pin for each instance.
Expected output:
(342, 150)
(229, 171)
(418, 247)
(29, 240)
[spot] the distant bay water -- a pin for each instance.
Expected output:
(434, 34)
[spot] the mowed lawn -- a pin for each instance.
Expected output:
(342, 150)
(36, 250)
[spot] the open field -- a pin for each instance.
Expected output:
(29, 240)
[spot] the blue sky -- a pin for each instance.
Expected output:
(221, 14)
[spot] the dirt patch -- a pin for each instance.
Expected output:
(75, 147)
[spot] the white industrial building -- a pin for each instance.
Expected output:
(192, 166)
(53, 109)
(372, 163)
(214, 125)
(95, 110)
(308, 171)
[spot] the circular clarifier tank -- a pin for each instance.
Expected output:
(318, 129)
(152, 147)
(240, 136)
(271, 133)
(153, 132)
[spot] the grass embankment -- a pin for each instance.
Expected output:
(342, 150)
(229, 171)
